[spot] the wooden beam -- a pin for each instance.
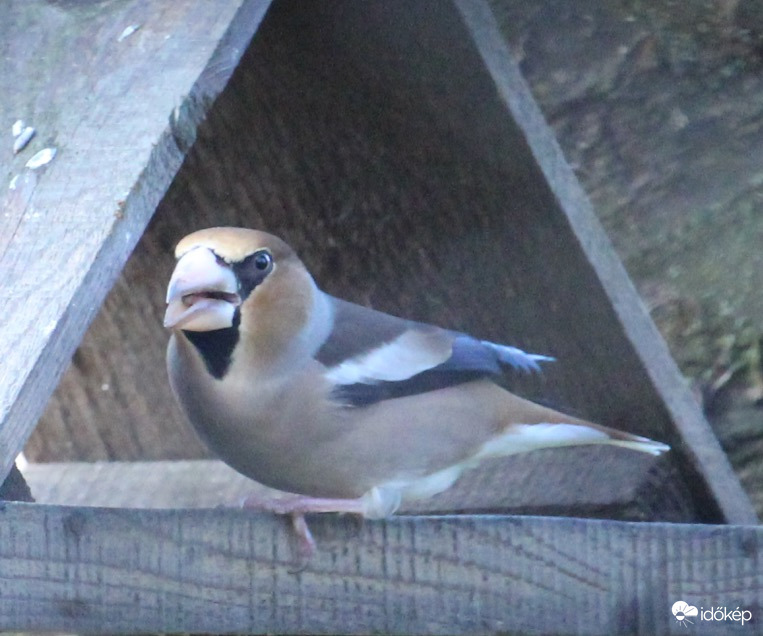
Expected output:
(705, 459)
(90, 570)
(122, 111)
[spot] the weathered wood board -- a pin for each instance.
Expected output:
(121, 110)
(90, 570)
(401, 153)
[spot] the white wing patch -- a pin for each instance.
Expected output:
(410, 353)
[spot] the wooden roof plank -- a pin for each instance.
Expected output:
(121, 114)
(705, 456)
(89, 570)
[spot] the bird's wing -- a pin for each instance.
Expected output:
(371, 356)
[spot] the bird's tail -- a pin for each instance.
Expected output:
(530, 426)
(636, 442)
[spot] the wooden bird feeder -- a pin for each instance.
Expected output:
(397, 147)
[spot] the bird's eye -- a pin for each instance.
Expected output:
(262, 261)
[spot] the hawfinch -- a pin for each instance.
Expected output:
(351, 409)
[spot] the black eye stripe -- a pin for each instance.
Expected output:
(252, 271)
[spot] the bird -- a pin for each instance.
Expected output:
(348, 409)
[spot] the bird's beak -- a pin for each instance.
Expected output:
(202, 294)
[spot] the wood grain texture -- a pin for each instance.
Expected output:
(619, 485)
(121, 114)
(90, 570)
(399, 151)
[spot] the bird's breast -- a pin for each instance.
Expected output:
(263, 425)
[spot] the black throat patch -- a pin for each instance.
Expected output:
(216, 347)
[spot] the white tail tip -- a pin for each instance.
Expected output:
(642, 444)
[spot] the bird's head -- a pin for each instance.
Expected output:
(233, 277)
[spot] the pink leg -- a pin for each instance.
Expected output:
(305, 542)
(297, 506)
(288, 504)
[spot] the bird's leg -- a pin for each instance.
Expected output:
(305, 541)
(301, 504)
(297, 506)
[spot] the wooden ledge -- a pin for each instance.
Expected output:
(89, 570)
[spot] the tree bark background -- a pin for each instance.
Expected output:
(659, 109)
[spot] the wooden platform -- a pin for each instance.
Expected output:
(156, 571)
(400, 151)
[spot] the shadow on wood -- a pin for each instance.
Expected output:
(15, 487)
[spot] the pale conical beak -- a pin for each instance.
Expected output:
(202, 294)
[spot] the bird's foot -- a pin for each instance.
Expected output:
(297, 506)
(288, 504)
